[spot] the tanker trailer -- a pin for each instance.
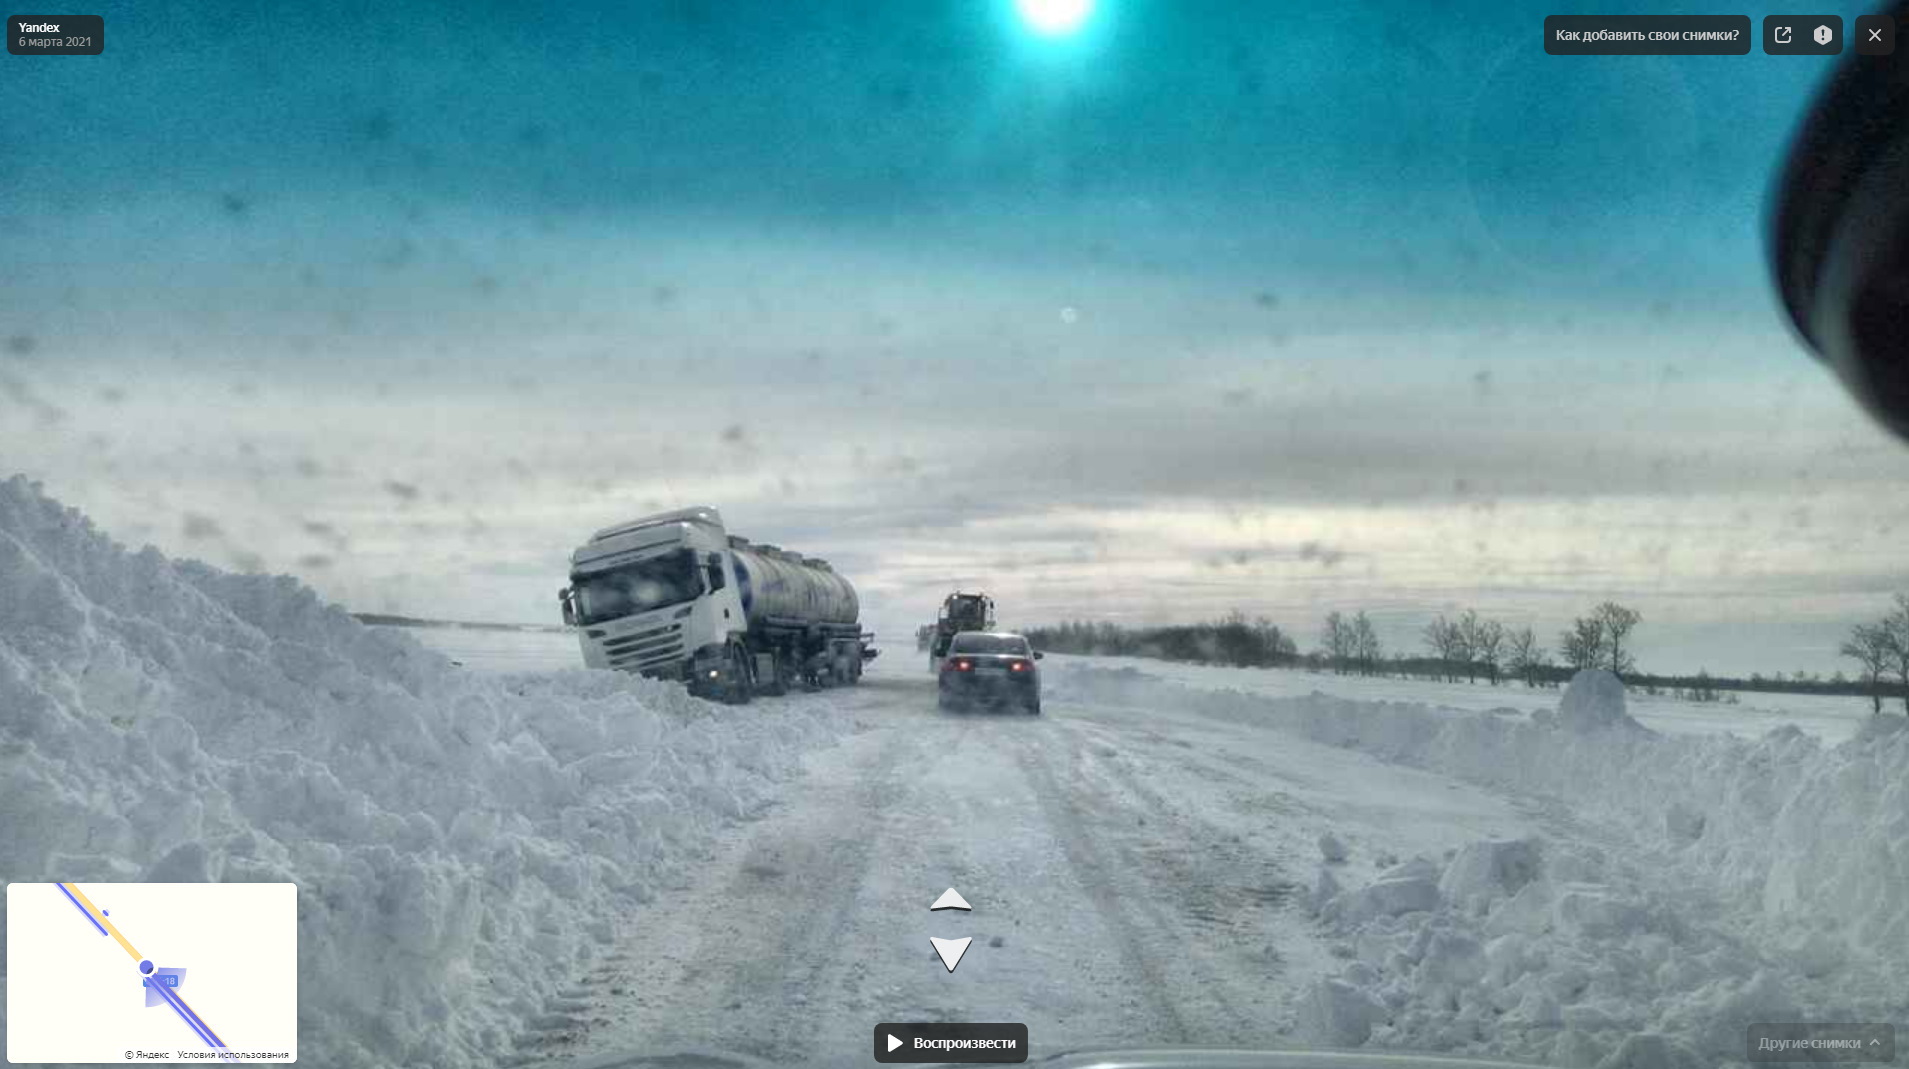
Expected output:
(676, 596)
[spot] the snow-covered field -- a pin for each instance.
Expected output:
(1831, 719)
(500, 651)
(498, 865)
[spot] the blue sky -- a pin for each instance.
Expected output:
(1214, 306)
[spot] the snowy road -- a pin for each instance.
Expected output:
(544, 864)
(1551, 882)
(1136, 875)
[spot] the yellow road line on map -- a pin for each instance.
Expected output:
(101, 918)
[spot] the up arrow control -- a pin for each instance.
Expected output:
(950, 899)
(951, 949)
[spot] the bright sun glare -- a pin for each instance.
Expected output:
(1054, 18)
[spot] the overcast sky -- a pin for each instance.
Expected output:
(1211, 306)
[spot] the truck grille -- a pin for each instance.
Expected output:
(658, 650)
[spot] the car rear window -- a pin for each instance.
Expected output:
(989, 644)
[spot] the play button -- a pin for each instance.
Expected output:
(943, 1042)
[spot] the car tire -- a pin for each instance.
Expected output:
(1034, 707)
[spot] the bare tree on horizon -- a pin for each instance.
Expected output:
(1895, 629)
(1617, 622)
(1582, 644)
(1365, 644)
(1441, 637)
(1873, 647)
(1524, 656)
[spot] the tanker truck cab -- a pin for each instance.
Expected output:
(659, 597)
(675, 596)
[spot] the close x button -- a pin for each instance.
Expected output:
(1875, 35)
(920, 1042)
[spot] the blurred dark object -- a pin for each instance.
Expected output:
(1841, 241)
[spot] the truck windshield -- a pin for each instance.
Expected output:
(961, 609)
(639, 587)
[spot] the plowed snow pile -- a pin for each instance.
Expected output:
(462, 844)
(1690, 886)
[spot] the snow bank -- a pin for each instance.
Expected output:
(1695, 884)
(1571, 959)
(462, 844)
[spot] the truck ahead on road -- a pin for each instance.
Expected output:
(959, 612)
(676, 596)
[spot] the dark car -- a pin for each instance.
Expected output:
(991, 668)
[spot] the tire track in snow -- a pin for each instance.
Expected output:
(1099, 874)
(1170, 886)
(1224, 880)
(810, 885)
(1130, 913)
(731, 955)
(787, 904)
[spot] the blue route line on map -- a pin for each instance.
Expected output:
(178, 1008)
(190, 1012)
(188, 1015)
(178, 1004)
(82, 909)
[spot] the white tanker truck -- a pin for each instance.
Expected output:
(676, 596)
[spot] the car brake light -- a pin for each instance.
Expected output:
(1018, 666)
(964, 666)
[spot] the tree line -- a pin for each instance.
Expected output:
(1475, 646)
(1232, 640)
(1471, 647)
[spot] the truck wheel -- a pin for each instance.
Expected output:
(778, 684)
(740, 670)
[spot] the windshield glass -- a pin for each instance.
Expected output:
(1471, 620)
(640, 587)
(968, 642)
(962, 608)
